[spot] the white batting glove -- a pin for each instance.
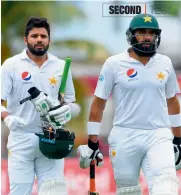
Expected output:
(44, 103)
(14, 122)
(89, 152)
(177, 151)
(59, 116)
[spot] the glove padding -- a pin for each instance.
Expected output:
(51, 110)
(44, 103)
(14, 122)
(89, 152)
(59, 116)
(177, 151)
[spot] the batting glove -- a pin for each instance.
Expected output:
(44, 103)
(59, 116)
(177, 150)
(14, 122)
(89, 152)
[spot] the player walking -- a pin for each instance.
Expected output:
(34, 67)
(143, 85)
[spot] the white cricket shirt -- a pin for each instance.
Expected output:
(19, 73)
(139, 92)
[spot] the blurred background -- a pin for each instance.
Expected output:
(78, 29)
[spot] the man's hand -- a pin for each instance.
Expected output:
(59, 116)
(50, 109)
(89, 152)
(177, 150)
(14, 122)
(44, 103)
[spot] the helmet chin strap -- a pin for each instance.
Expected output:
(143, 53)
(140, 50)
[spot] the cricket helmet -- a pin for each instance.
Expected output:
(144, 21)
(55, 144)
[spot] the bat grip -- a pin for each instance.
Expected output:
(92, 170)
(60, 98)
(92, 177)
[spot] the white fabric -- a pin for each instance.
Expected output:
(132, 150)
(61, 115)
(132, 190)
(175, 120)
(3, 109)
(84, 153)
(139, 92)
(44, 103)
(165, 185)
(14, 122)
(25, 158)
(38, 102)
(75, 109)
(20, 73)
(21, 188)
(53, 187)
(93, 128)
(52, 102)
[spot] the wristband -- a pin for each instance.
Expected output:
(92, 145)
(175, 120)
(93, 128)
(177, 140)
(3, 109)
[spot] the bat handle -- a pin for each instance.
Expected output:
(60, 98)
(92, 177)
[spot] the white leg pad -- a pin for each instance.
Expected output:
(133, 190)
(165, 185)
(53, 187)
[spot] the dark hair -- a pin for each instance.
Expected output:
(36, 22)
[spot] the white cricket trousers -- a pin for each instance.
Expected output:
(132, 150)
(26, 160)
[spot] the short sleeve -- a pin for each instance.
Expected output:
(105, 82)
(172, 86)
(6, 80)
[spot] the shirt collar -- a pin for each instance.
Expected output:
(130, 59)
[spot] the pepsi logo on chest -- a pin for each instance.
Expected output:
(132, 74)
(26, 76)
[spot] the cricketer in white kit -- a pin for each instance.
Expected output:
(143, 85)
(34, 67)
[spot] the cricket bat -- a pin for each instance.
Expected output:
(92, 185)
(64, 80)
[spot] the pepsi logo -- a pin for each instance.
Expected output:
(26, 76)
(132, 73)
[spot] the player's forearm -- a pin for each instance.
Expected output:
(176, 131)
(96, 114)
(4, 112)
(4, 115)
(174, 111)
(173, 106)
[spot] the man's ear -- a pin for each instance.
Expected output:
(25, 40)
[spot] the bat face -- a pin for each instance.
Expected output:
(93, 193)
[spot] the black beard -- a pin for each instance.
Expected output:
(36, 52)
(140, 50)
(142, 53)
